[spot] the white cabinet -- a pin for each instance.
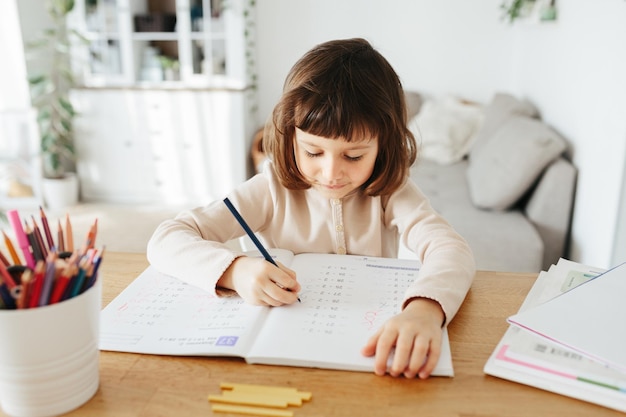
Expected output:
(144, 134)
(204, 43)
(160, 146)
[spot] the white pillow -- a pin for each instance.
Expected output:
(445, 127)
(511, 161)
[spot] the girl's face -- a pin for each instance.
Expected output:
(334, 167)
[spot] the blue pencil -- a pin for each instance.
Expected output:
(250, 233)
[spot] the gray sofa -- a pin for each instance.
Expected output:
(511, 195)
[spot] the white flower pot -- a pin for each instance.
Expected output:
(60, 193)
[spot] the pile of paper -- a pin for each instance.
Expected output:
(568, 338)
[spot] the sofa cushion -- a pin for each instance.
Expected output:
(413, 101)
(502, 107)
(511, 161)
(445, 128)
(500, 240)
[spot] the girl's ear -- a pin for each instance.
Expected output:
(256, 151)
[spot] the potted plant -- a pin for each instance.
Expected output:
(55, 113)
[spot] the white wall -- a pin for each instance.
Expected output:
(435, 46)
(33, 19)
(14, 94)
(572, 70)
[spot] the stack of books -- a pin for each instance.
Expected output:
(568, 337)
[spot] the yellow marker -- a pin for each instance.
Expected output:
(254, 411)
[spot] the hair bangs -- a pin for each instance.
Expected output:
(335, 117)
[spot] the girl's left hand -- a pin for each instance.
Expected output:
(416, 335)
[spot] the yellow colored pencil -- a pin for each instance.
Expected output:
(11, 248)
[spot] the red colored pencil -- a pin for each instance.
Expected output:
(4, 259)
(6, 276)
(60, 286)
(37, 284)
(27, 280)
(46, 228)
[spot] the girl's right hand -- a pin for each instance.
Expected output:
(259, 282)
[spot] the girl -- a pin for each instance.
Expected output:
(336, 182)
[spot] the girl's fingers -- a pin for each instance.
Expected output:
(285, 278)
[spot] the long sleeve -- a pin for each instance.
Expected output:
(448, 265)
(192, 245)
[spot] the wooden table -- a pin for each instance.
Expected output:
(151, 386)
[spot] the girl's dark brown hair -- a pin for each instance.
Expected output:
(343, 89)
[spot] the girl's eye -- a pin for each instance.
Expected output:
(312, 155)
(354, 158)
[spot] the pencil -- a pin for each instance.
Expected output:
(39, 239)
(79, 280)
(32, 241)
(69, 239)
(60, 241)
(60, 286)
(11, 248)
(4, 259)
(91, 236)
(46, 228)
(22, 301)
(5, 295)
(250, 233)
(91, 279)
(37, 284)
(46, 288)
(6, 276)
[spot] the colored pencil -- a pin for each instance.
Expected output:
(79, 280)
(91, 279)
(60, 240)
(6, 276)
(4, 260)
(69, 238)
(7, 298)
(46, 228)
(22, 301)
(11, 248)
(39, 239)
(37, 284)
(48, 280)
(90, 240)
(32, 242)
(61, 284)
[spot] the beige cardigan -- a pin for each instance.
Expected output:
(191, 246)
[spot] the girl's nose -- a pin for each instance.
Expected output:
(332, 168)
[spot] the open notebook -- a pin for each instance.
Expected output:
(345, 299)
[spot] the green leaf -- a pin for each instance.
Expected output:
(67, 105)
(37, 79)
(79, 35)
